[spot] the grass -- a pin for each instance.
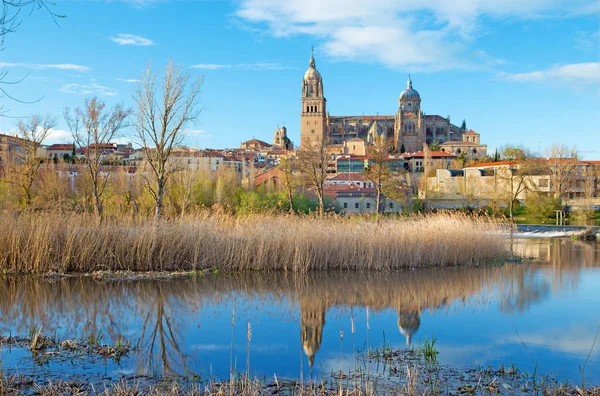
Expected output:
(44, 243)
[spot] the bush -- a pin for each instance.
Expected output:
(541, 206)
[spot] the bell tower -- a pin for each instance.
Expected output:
(313, 125)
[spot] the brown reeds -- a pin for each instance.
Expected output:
(42, 243)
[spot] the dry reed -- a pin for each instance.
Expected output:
(42, 243)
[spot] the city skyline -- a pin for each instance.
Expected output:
(519, 74)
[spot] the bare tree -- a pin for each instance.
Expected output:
(312, 160)
(379, 172)
(25, 162)
(287, 167)
(93, 127)
(562, 163)
(161, 119)
(184, 184)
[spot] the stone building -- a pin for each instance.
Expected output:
(470, 146)
(408, 129)
(281, 139)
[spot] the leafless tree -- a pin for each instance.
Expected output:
(379, 172)
(161, 120)
(184, 184)
(24, 161)
(562, 163)
(312, 159)
(93, 127)
(287, 167)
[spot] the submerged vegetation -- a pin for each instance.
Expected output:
(31, 243)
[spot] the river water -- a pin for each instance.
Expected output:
(539, 315)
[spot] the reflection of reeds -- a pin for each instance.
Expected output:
(45, 243)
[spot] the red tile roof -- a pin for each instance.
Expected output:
(433, 154)
(471, 132)
(60, 147)
(350, 177)
(491, 164)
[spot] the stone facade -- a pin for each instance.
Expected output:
(408, 129)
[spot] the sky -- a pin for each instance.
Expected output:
(519, 72)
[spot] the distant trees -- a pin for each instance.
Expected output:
(162, 116)
(24, 161)
(312, 160)
(92, 128)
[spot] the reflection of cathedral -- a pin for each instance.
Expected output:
(312, 320)
(409, 323)
(408, 129)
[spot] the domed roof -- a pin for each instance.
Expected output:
(312, 73)
(409, 93)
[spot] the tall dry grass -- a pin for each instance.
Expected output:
(40, 243)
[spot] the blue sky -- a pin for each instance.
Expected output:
(519, 72)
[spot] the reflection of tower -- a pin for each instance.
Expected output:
(312, 320)
(409, 323)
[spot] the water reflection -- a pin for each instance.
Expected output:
(161, 317)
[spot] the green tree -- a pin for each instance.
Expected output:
(514, 179)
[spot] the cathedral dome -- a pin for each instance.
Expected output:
(409, 93)
(312, 73)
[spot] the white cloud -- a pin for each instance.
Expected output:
(131, 39)
(128, 80)
(58, 66)
(137, 3)
(573, 73)
(240, 66)
(58, 136)
(197, 133)
(211, 66)
(88, 89)
(427, 35)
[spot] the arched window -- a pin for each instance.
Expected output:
(308, 109)
(474, 151)
(458, 151)
(409, 108)
(443, 150)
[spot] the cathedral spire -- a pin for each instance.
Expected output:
(312, 57)
(409, 83)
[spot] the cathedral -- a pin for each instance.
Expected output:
(408, 129)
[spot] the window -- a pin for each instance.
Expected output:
(356, 205)
(368, 205)
(391, 205)
(543, 183)
(409, 107)
(345, 205)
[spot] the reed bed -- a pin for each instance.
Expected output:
(43, 243)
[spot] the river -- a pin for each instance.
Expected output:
(540, 315)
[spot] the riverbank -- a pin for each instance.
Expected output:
(47, 243)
